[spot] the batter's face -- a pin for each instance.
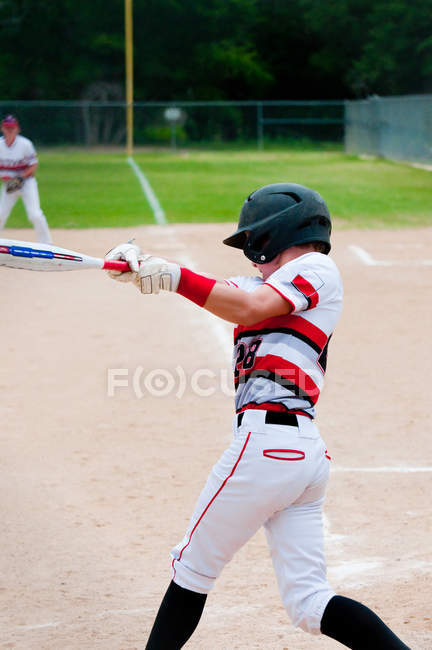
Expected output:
(269, 267)
(285, 256)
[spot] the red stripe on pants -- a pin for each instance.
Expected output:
(211, 501)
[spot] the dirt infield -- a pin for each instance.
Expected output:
(115, 406)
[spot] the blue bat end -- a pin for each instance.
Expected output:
(26, 251)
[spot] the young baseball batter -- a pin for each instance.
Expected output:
(18, 164)
(275, 471)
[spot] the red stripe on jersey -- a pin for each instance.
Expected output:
(307, 289)
(15, 168)
(286, 370)
(288, 321)
(310, 330)
(264, 406)
(277, 407)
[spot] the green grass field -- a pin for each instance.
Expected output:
(87, 189)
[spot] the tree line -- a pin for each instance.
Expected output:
(216, 49)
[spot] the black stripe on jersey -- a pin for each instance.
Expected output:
(280, 330)
(303, 295)
(322, 359)
(277, 379)
(297, 411)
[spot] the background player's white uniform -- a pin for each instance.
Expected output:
(275, 472)
(13, 160)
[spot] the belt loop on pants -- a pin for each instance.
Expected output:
(274, 417)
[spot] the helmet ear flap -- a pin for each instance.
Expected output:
(256, 247)
(261, 241)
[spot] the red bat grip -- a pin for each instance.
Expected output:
(116, 265)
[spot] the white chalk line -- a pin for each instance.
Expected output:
(362, 255)
(367, 259)
(338, 573)
(108, 612)
(383, 470)
(353, 568)
(348, 573)
(220, 330)
(425, 167)
(171, 241)
(404, 246)
(330, 538)
(363, 570)
(156, 207)
(39, 626)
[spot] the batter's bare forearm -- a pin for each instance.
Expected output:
(153, 274)
(244, 308)
(230, 303)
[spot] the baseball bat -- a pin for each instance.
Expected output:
(47, 257)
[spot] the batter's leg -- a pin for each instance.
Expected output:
(244, 489)
(178, 616)
(223, 520)
(227, 514)
(30, 197)
(295, 538)
(296, 541)
(357, 626)
(7, 201)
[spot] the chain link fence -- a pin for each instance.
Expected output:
(399, 128)
(181, 124)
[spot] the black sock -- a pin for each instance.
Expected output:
(177, 618)
(357, 626)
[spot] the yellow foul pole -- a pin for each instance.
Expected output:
(129, 76)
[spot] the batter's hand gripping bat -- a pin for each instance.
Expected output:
(47, 257)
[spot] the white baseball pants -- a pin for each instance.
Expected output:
(30, 196)
(273, 476)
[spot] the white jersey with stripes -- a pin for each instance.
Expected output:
(14, 159)
(279, 363)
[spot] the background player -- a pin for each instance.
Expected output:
(275, 472)
(18, 164)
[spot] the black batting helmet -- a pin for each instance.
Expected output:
(278, 216)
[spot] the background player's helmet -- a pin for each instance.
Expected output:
(279, 216)
(10, 120)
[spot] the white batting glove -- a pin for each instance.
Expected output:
(128, 252)
(155, 274)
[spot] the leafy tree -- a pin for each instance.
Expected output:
(216, 49)
(337, 30)
(397, 55)
(197, 49)
(372, 46)
(54, 48)
(285, 43)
